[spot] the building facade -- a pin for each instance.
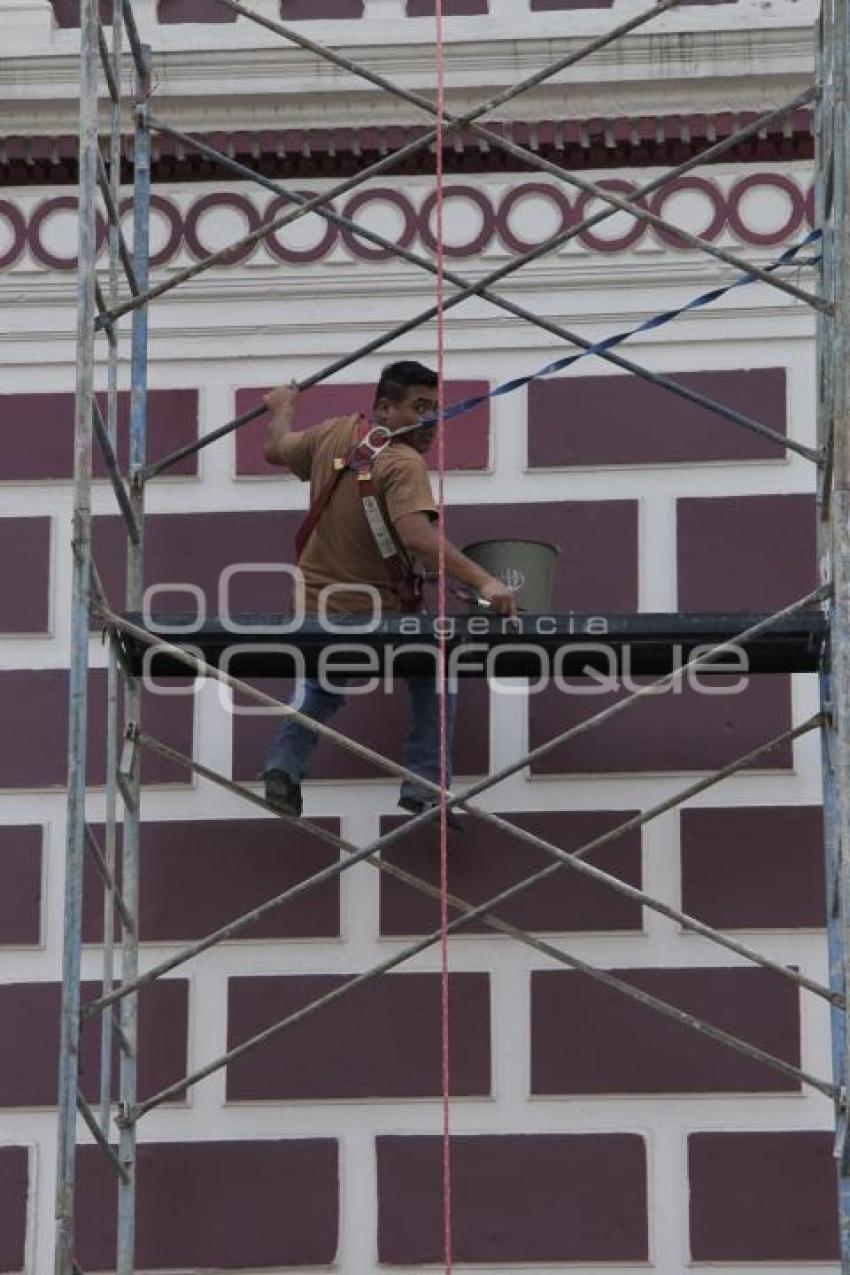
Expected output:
(590, 1132)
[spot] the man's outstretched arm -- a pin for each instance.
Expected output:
(280, 440)
(420, 535)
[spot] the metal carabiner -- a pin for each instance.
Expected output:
(369, 448)
(375, 449)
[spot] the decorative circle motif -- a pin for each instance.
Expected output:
(175, 227)
(767, 237)
(37, 220)
(382, 194)
(225, 199)
(296, 256)
(488, 221)
(18, 225)
(513, 197)
(636, 232)
(27, 228)
(712, 194)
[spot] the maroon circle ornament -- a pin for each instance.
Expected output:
(224, 199)
(472, 195)
(37, 220)
(171, 213)
(543, 189)
(382, 194)
(712, 194)
(18, 226)
(632, 236)
(298, 256)
(766, 237)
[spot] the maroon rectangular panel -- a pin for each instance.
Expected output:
(67, 12)
(196, 549)
(167, 718)
(597, 542)
(34, 741)
(46, 421)
(24, 574)
(451, 8)
(217, 1205)
(596, 568)
(199, 874)
(310, 10)
(548, 6)
(763, 1197)
(173, 11)
(663, 1056)
(515, 1199)
(381, 1040)
(14, 1193)
(623, 420)
(379, 720)
(467, 438)
(20, 872)
(757, 867)
(675, 732)
(29, 1026)
(490, 860)
(770, 540)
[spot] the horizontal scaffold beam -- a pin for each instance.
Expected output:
(479, 645)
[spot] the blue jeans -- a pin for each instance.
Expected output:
(294, 746)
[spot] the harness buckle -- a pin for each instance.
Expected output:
(375, 448)
(370, 448)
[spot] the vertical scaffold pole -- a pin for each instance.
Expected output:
(132, 685)
(107, 1033)
(833, 198)
(76, 812)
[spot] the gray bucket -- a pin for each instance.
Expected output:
(527, 567)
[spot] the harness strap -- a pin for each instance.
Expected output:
(407, 584)
(318, 507)
(403, 579)
(320, 504)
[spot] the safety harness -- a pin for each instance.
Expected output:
(372, 440)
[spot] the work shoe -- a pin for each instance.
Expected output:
(283, 793)
(416, 805)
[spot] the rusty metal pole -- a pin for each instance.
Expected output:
(69, 1035)
(833, 330)
(129, 778)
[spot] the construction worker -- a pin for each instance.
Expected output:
(372, 515)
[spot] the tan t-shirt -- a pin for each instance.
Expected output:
(342, 549)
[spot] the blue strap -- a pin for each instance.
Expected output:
(706, 298)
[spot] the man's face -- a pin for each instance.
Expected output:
(420, 400)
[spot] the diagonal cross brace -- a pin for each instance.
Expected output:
(525, 154)
(468, 289)
(484, 911)
(389, 161)
(489, 782)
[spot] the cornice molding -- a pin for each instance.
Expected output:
(737, 68)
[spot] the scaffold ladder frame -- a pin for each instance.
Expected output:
(115, 1130)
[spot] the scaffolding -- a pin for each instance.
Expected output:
(821, 620)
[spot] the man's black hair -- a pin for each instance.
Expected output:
(397, 378)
